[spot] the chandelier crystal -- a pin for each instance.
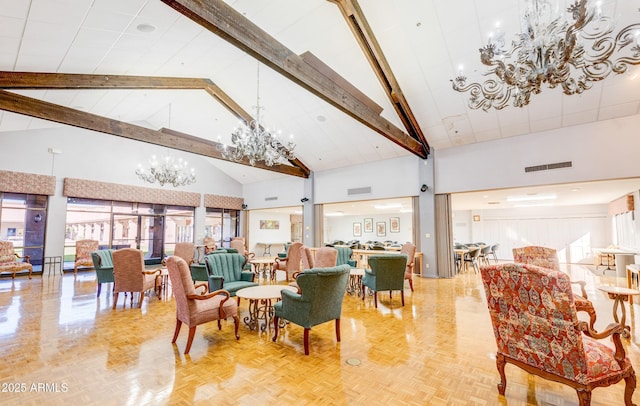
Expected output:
(175, 172)
(257, 143)
(571, 54)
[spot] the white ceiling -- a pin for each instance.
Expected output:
(424, 41)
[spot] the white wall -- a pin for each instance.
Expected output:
(258, 237)
(341, 228)
(572, 230)
(100, 157)
(601, 150)
(287, 191)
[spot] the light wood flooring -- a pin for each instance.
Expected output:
(61, 345)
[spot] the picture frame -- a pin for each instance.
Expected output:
(269, 224)
(357, 229)
(368, 225)
(394, 224)
(381, 228)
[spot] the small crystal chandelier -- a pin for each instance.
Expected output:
(257, 143)
(551, 50)
(167, 170)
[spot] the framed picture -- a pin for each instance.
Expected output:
(368, 225)
(381, 229)
(394, 224)
(269, 225)
(357, 229)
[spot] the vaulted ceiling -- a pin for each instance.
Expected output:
(354, 81)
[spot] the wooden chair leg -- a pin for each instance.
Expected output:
(175, 334)
(402, 296)
(140, 297)
(99, 288)
(411, 283)
(219, 324)
(236, 321)
(375, 299)
(338, 330)
(275, 328)
(192, 332)
(306, 341)
(115, 299)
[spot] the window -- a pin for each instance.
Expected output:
(222, 225)
(22, 221)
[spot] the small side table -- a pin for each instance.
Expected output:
(619, 296)
(355, 281)
(260, 304)
(54, 262)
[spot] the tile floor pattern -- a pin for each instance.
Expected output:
(61, 345)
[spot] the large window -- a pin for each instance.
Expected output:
(222, 225)
(22, 221)
(152, 228)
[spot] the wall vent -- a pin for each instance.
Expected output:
(266, 199)
(546, 167)
(359, 190)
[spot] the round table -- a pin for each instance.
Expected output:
(619, 296)
(264, 266)
(260, 303)
(355, 281)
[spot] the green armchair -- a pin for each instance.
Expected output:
(103, 264)
(386, 273)
(320, 300)
(226, 272)
(344, 256)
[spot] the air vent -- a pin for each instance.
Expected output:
(266, 199)
(546, 167)
(359, 190)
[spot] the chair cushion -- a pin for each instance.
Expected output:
(233, 287)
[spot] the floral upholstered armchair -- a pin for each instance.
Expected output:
(536, 328)
(9, 260)
(548, 258)
(84, 248)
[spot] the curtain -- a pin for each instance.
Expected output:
(444, 236)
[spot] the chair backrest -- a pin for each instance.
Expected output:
(84, 248)
(294, 257)
(539, 256)
(209, 244)
(128, 265)
(534, 318)
(307, 257)
(325, 257)
(324, 289)
(102, 259)
(185, 250)
(227, 265)
(238, 244)
(389, 270)
(410, 251)
(7, 253)
(344, 255)
(181, 285)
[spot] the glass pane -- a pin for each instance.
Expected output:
(13, 224)
(125, 231)
(123, 207)
(151, 236)
(213, 227)
(87, 225)
(15, 200)
(37, 201)
(75, 204)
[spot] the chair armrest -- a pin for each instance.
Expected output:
(201, 285)
(582, 284)
(156, 272)
(247, 276)
(209, 295)
(290, 295)
(295, 274)
(215, 282)
(370, 272)
(352, 263)
(614, 330)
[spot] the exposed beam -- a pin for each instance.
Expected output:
(43, 80)
(172, 139)
(369, 44)
(224, 21)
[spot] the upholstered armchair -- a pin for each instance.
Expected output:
(344, 256)
(84, 248)
(548, 258)
(320, 300)
(536, 328)
(324, 257)
(103, 264)
(410, 251)
(194, 309)
(130, 275)
(386, 273)
(9, 260)
(226, 271)
(290, 263)
(209, 245)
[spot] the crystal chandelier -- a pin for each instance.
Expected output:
(167, 170)
(257, 143)
(551, 50)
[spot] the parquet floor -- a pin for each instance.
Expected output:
(61, 345)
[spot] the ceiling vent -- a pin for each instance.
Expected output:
(359, 190)
(546, 167)
(266, 199)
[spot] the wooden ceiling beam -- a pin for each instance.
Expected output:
(224, 21)
(373, 52)
(42, 80)
(171, 139)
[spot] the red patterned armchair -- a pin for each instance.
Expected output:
(84, 248)
(548, 258)
(9, 260)
(536, 329)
